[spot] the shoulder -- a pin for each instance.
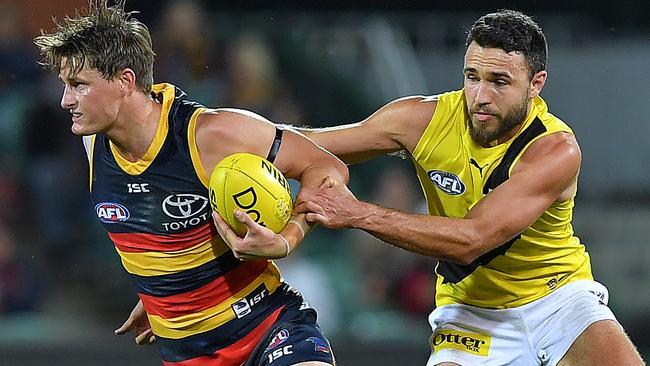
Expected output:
(227, 121)
(557, 154)
(221, 132)
(231, 115)
(559, 144)
(405, 119)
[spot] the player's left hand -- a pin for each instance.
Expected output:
(259, 242)
(331, 205)
(139, 323)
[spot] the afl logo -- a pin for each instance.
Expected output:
(447, 182)
(110, 213)
(278, 339)
(184, 205)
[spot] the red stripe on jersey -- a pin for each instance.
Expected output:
(143, 242)
(206, 296)
(238, 352)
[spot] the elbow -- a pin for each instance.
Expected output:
(328, 167)
(471, 248)
(341, 172)
(481, 242)
(467, 255)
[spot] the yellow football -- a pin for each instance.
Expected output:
(254, 185)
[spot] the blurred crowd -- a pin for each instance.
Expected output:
(53, 255)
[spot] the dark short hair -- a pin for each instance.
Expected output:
(512, 30)
(105, 38)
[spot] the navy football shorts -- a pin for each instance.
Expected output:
(295, 337)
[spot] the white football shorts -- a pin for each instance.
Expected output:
(538, 333)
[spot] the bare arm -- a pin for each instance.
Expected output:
(546, 173)
(396, 126)
(220, 133)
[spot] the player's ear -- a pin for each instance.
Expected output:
(537, 83)
(127, 81)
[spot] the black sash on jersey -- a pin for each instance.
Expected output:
(454, 273)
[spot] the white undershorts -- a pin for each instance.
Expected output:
(538, 333)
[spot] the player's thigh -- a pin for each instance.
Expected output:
(602, 343)
(312, 363)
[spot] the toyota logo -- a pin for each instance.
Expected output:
(184, 205)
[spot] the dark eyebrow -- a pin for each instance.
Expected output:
(72, 79)
(469, 69)
(494, 75)
(497, 75)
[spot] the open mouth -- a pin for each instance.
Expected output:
(75, 115)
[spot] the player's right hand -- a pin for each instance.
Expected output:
(138, 322)
(259, 242)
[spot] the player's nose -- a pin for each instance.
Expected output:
(68, 100)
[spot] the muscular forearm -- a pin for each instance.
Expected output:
(450, 239)
(328, 141)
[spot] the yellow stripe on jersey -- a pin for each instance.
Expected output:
(194, 150)
(214, 317)
(162, 263)
(138, 167)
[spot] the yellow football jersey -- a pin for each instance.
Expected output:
(455, 173)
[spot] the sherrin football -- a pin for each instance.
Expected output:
(254, 185)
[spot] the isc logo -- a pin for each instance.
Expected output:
(138, 187)
(244, 306)
(447, 182)
(110, 212)
(286, 350)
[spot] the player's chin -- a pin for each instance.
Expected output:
(81, 130)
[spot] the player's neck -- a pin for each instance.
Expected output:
(506, 136)
(136, 125)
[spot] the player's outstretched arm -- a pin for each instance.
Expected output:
(545, 173)
(396, 126)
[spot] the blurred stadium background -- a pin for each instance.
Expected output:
(62, 289)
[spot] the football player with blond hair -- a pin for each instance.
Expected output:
(151, 150)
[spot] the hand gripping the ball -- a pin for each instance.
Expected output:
(253, 184)
(258, 243)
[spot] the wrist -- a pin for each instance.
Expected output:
(301, 226)
(366, 213)
(285, 244)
